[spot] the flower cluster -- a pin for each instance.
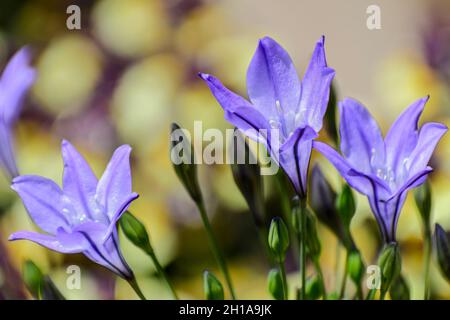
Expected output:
(283, 113)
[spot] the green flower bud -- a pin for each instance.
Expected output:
(33, 277)
(442, 247)
(275, 284)
(278, 238)
(182, 156)
(135, 231)
(313, 288)
(345, 204)
(40, 285)
(313, 246)
(422, 196)
(355, 266)
(399, 289)
(390, 264)
(212, 287)
(323, 203)
(49, 291)
(248, 178)
(296, 214)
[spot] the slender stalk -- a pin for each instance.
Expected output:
(359, 291)
(344, 279)
(162, 273)
(427, 243)
(283, 280)
(303, 248)
(133, 283)
(371, 294)
(215, 248)
(322, 280)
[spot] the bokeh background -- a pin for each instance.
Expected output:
(131, 70)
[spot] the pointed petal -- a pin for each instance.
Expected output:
(403, 134)
(106, 253)
(44, 202)
(294, 157)
(226, 98)
(7, 156)
(118, 213)
(63, 242)
(315, 87)
(361, 140)
(16, 79)
(80, 183)
(114, 187)
(272, 77)
(429, 136)
(250, 121)
(363, 183)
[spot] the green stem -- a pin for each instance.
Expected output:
(133, 283)
(371, 294)
(320, 273)
(344, 279)
(161, 272)
(215, 248)
(303, 248)
(427, 243)
(283, 280)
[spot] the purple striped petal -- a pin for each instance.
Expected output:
(44, 202)
(402, 136)
(63, 242)
(429, 136)
(226, 98)
(272, 79)
(80, 184)
(114, 187)
(315, 88)
(361, 140)
(294, 156)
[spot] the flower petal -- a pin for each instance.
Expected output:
(80, 183)
(226, 98)
(363, 183)
(16, 79)
(250, 121)
(294, 157)
(63, 242)
(402, 136)
(118, 213)
(7, 156)
(315, 87)
(429, 136)
(44, 202)
(114, 187)
(361, 140)
(272, 79)
(106, 253)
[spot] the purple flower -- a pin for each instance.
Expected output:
(290, 112)
(16, 79)
(384, 170)
(81, 217)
